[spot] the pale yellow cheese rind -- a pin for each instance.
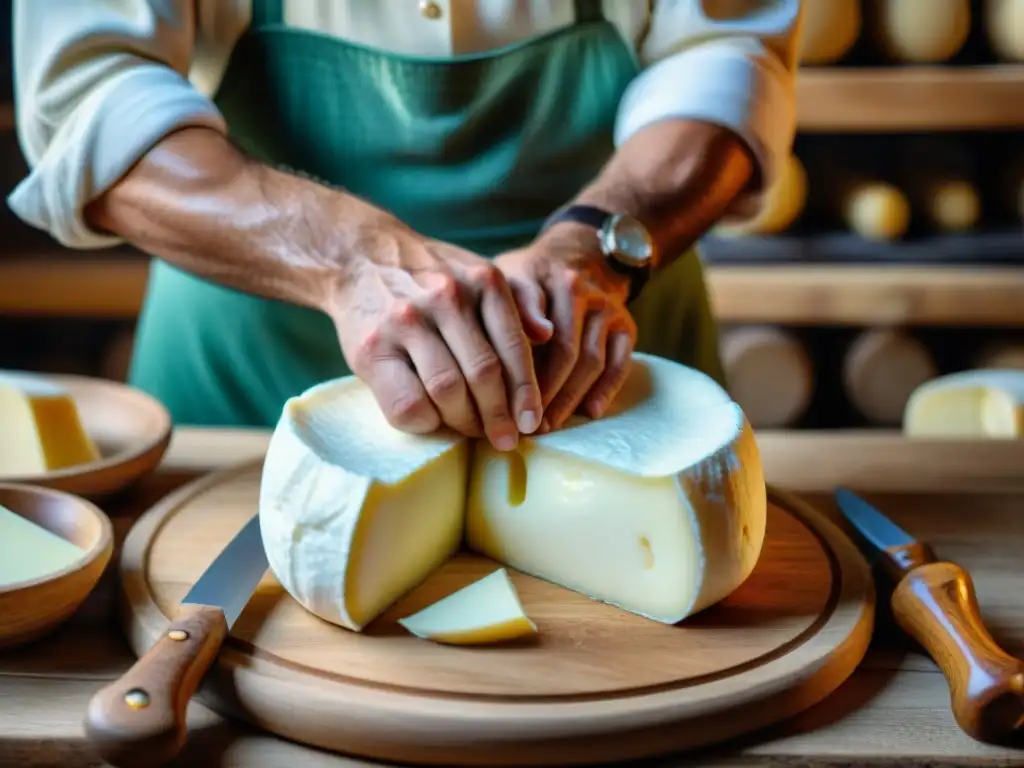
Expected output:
(487, 611)
(41, 428)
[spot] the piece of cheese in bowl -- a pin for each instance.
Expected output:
(658, 508)
(41, 427)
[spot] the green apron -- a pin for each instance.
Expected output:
(476, 151)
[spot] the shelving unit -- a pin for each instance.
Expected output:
(112, 287)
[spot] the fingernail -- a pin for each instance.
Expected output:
(528, 421)
(505, 442)
(597, 408)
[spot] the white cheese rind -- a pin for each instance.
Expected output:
(354, 513)
(969, 404)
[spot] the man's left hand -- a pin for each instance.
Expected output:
(574, 306)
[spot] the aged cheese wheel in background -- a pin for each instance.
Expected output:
(921, 31)
(1004, 355)
(951, 205)
(783, 203)
(831, 27)
(1004, 26)
(875, 210)
(1011, 187)
(770, 374)
(881, 369)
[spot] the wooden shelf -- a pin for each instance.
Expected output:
(910, 98)
(869, 295)
(80, 285)
(113, 287)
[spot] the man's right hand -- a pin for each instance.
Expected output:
(435, 332)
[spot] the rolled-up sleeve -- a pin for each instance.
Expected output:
(728, 62)
(97, 84)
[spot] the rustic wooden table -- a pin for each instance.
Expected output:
(967, 500)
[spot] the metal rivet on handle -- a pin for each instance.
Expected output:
(137, 698)
(178, 635)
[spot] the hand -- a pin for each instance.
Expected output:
(570, 298)
(435, 332)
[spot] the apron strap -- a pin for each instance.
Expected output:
(588, 10)
(267, 12)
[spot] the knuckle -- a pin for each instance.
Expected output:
(444, 384)
(443, 291)
(367, 351)
(405, 314)
(486, 275)
(572, 279)
(408, 410)
(484, 368)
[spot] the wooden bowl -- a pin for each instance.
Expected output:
(130, 429)
(31, 609)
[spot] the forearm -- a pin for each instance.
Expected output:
(197, 202)
(677, 176)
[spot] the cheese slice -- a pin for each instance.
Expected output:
(659, 507)
(29, 551)
(968, 404)
(41, 427)
(487, 611)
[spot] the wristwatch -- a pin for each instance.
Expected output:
(626, 243)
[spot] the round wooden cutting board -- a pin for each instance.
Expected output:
(597, 684)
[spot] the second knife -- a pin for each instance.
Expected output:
(934, 602)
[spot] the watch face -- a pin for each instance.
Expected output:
(628, 241)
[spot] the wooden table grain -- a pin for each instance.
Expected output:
(893, 711)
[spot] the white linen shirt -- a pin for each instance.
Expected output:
(99, 82)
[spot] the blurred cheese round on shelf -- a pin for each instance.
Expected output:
(782, 204)
(485, 612)
(968, 404)
(770, 374)
(40, 426)
(876, 210)
(830, 28)
(881, 369)
(952, 205)
(1004, 25)
(921, 31)
(659, 507)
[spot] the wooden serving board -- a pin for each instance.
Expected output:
(596, 685)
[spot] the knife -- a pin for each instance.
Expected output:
(934, 602)
(140, 719)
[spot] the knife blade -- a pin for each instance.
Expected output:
(934, 602)
(140, 719)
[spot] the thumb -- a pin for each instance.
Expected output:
(532, 303)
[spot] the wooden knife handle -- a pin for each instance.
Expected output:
(935, 603)
(140, 719)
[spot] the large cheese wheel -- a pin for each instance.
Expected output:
(881, 369)
(969, 404)
(831, 27)
(951, 205)
(659, 507)
(770, 374)
(922, 31)
(783, 203)
(875, 210)
(1004, 25)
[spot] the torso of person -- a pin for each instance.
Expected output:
(471, 134)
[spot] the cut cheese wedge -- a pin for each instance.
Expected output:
(487, 611)
(659, 507)
(29, 551)
(41, 427)
(968, 404)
